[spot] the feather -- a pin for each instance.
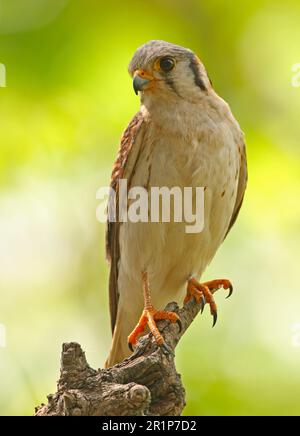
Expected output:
(242, 184)
(123, 168)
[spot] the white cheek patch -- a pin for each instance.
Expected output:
(183, 78)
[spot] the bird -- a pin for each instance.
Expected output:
(183, 135)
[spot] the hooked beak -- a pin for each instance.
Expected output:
(140, 80)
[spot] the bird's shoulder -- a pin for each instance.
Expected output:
(127, 140)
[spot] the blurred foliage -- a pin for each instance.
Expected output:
(67, 100)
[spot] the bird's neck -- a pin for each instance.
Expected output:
(180, 115)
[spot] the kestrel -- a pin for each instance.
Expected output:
(184, 135)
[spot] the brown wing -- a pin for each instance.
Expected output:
(122, 169)
(243, 177)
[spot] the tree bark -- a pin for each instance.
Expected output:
(146, 383)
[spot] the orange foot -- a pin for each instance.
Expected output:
(149, 316)
(203, 293)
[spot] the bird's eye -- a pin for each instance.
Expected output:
(166, 64)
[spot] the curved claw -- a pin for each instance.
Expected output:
(166, 348)
(179, 323)
(215, 318)
(130, 346)
(203, 303)
(230, 291)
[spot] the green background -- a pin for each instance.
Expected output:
(68, 99)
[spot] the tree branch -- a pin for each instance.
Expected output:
(144, 384)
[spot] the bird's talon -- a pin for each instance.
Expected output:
(214, 285)
(230, 291)
(215, 318)
(203, 301)
(203, 293)
(149, 317)
(130, 346)
(166, 348)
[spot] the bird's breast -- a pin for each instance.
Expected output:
(205, 159)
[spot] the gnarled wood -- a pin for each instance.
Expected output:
(144, 384)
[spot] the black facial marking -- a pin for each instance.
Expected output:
(171, 85)
(195, 70)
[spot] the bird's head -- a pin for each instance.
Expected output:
(162, 70)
